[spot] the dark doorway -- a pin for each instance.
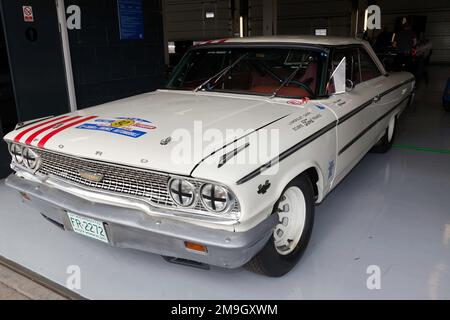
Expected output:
(8, 113)
(36, 58)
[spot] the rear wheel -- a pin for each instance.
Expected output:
(387, 140)
(295, 210)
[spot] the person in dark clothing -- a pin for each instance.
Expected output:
(405, 39)
(383, 40)
(405, 42)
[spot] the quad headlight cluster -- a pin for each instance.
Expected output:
(215, 198)
(24, 156)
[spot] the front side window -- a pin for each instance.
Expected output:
(284, 72)
(369, 69)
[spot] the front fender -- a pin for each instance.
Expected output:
(258, 194)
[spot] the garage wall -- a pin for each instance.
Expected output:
(438, 21)
(185, 20)
(303, 16)
(106, 68)
(255, 17)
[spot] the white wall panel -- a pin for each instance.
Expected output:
(255, 18)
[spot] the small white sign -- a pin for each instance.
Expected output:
(321, 32)
(28, 13)
(209, 15)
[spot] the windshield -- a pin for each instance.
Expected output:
(283, 72)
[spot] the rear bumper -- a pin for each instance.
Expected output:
(131, 228)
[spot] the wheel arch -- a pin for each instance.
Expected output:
(312, 171)
(313, 175)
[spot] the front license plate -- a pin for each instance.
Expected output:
(88, 227)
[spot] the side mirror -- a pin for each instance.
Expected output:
(338, 78)
(349, 85)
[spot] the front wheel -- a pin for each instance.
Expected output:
(295, 210)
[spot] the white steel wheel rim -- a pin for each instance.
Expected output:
(391, 129)
(292, 217)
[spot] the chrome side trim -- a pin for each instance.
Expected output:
(227, 156)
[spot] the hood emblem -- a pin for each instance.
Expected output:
(165, 141)
(91, 176)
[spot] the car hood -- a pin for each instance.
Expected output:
(169, 131)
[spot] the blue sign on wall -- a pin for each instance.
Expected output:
(131, 19)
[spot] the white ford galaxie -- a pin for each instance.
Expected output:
(224, 165)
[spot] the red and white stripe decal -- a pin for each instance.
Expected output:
(38, 132)
(217, 41)
(24, 132)
(42, 142)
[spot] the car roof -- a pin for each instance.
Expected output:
(300, 39)
(328, 41)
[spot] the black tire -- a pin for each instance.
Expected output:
(268, 261)
(384, 145)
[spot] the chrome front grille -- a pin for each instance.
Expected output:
(125, 181)
(116, 179)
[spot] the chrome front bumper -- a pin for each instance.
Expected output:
(132, 228)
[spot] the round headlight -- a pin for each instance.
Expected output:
(30, 158)
(215, 198)
(16, 153)
(182, 192)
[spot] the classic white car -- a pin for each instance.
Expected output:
(225, 165)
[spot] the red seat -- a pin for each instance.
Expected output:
(310, 76)
(267, 84)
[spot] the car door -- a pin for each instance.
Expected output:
(349, 108)
(385, 94)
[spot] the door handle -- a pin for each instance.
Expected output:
(376, 98)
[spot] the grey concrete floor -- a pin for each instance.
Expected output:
(391, 212)
(15, 286)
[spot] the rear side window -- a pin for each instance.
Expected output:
(369, 69)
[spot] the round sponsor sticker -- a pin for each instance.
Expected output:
(122, 123)
(295, 102)
(298, 102)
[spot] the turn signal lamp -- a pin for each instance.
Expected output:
(195, 246)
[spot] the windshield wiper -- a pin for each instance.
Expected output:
(221, 73)
(286, 82)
